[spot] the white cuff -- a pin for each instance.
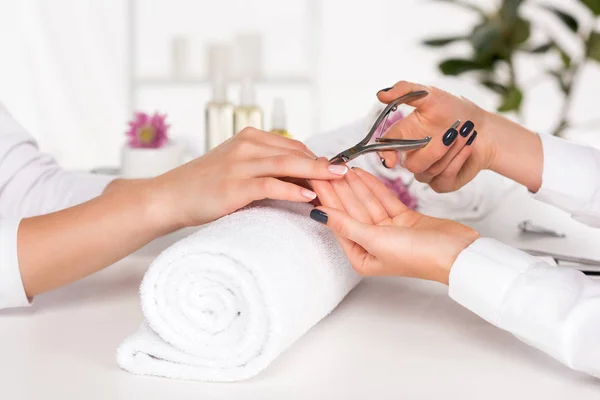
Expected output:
(12, 293)
(571, 178)
(483, 274)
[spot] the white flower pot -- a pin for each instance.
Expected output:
(137, 163)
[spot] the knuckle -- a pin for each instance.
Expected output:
(414, 165)
(247, 132)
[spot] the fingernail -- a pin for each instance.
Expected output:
(472, 138)
(449, 136)
(318, 215)
(386, 89)
(338, 169)
(466, 128)
(383, 163)
(309, 194)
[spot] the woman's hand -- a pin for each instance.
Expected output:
(451, 159)
(456, 154)
(248, 167)
(381, 236)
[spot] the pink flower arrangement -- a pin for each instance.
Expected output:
(401, 191)
(147, 131)
(397, 185)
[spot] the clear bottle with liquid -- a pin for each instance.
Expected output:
(279, 118)
(247, 113)
(218, 115)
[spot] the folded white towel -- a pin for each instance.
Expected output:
(221, 304)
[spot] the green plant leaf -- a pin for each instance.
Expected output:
(486, 39)
(593, 46)
(593, 5)
(567, 19)
(440, 42)
(509, 11)
(566, 59)
(495, 86)
(457, 66)
(520, 32)
(541, 48)
(512, 100)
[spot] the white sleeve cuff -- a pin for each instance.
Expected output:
(12, 293)
(483, 274)
(571, 178)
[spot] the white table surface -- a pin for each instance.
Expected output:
(390, 338)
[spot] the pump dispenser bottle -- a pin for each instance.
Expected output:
(218, 114)
(279, 118)
(247, 113)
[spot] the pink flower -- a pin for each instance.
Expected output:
(148, 131)
(401, 191)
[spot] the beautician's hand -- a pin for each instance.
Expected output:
(483, 140)
(381, 236)
(451, 159)
(248, 167)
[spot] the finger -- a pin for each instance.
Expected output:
(418, 161)
(457, 173)
(326, 194)
(271, 188)
(352, 204)
(328, 197)
(274, 140)
(393, 206)
(410, 127)
(343, 225)
(439, 166)
(400, 89)
(371, 203)
(292, 166)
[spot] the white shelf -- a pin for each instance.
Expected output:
(291, 80)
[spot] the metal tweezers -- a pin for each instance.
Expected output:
(384, 144)
(585, 265)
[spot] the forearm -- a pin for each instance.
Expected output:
(59, 248)
(516, 151)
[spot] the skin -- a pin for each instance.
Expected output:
(61, 247)
(501, 145)
(378, 233)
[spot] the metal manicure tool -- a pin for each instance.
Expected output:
(529, 227)
(384, 144)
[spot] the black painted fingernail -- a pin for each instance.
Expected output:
(383, 163)
(386, 89)
(472, 138)
(449, 136)
(466, 128)
(318, 215)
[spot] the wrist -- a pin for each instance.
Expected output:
(452, 246)
(514, 151)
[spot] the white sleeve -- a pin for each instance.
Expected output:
(571, 179)
(31, 182)
(555, 310)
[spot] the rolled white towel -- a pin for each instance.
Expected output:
(223, 303)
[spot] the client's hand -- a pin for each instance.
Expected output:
(381, 236)
(241, 170)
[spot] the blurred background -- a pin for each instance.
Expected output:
(74, 71)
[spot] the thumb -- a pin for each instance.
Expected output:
(405, 128)
(344, 225)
